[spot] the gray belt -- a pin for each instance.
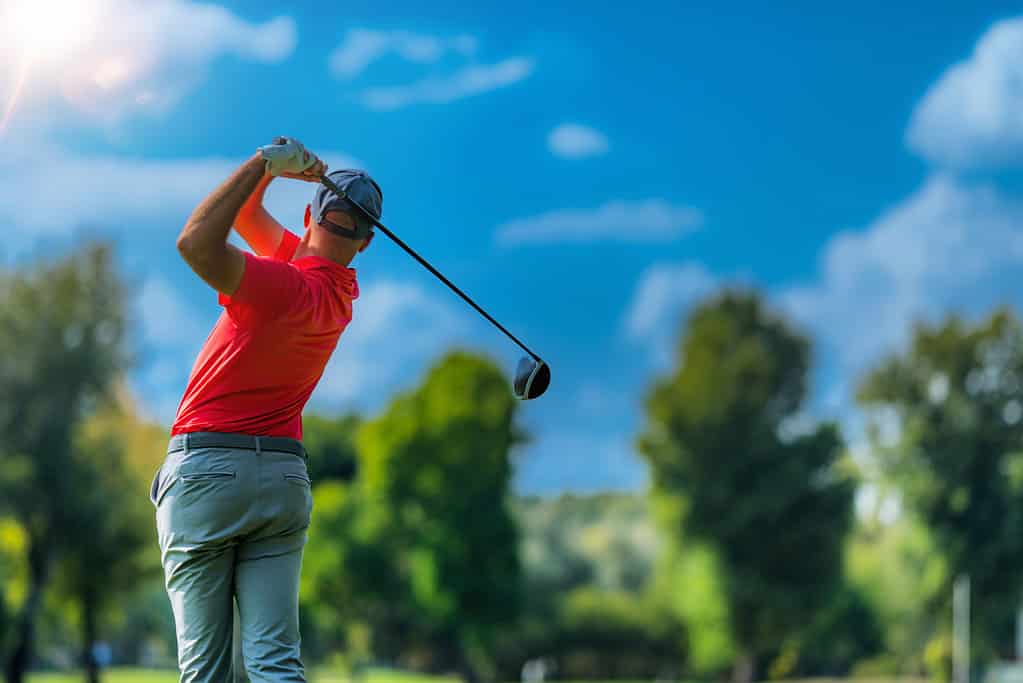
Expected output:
(184, 442)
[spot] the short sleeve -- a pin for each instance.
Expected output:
(286, 249)
(269, 289)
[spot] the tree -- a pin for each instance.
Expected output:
(425, 533)
(948, 432)
(60, 347)
(895, 565)
(330, 444)
(586, 609)
(770, 501)
(350, 581)
(112, 550)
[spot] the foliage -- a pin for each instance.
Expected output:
(114, 456)
(771, 501)
(425, 536)
(346, 573)
(587, 560)
(605, 540)
(12, 576)
(898, 570)
(157, 676)
(61, 330)
(330, 444)
(948, 432)
(689, 582)
(843, 633)
(611, 634)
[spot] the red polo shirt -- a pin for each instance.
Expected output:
(268, 350)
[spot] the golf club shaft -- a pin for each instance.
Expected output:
(426, 264)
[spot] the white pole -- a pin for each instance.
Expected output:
(961, 629)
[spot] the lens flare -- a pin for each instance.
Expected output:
(42, 33)
(12, 102)
(48, 30)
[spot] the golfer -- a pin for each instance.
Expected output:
(233, 496)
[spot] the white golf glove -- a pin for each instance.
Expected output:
(287, 156)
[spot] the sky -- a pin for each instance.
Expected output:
(586, 173)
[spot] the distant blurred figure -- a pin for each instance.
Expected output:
(537, 670)
(102, 655)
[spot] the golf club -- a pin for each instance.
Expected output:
(532, 375)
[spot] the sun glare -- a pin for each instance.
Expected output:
(47, 30)
(41, 33)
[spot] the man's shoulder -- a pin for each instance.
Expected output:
(286, 249)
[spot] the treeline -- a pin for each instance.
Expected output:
(746, 559)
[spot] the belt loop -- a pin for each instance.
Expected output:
(186, 442)
(259, 450)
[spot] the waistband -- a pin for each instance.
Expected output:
(190, 440)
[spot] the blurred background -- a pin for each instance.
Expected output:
(772, 252)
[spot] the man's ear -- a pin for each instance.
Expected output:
(369, 238)
(308, 215)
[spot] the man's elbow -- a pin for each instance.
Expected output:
(188, 246)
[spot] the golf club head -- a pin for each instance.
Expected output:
(532, 377)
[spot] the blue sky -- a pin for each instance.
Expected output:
(585, 171)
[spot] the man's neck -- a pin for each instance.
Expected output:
(341, 254)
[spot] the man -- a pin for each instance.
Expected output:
(233, 496)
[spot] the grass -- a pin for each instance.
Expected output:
(377, 676)
(149, 676)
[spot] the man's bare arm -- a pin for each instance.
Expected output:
(258, 228)
(203, 241)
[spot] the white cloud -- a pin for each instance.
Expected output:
(663, 294)
(171, 332)
(949, 246)
(651, 220)
(397, 329)
(62, 193)
(128, 56)
(973, 115)
(468, 81)
(49, 192)
(362, 47)
(575, 141)
(166, 319)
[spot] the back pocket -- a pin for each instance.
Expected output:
(206, 476)
(298, 479)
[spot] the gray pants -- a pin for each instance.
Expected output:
(232, 526)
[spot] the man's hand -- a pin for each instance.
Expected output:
(289, 158)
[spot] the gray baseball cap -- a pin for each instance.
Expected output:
(361, 197)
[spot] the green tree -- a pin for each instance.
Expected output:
(426, 534)
(947, 430)
(112, 550)
(896, 567)
(602, 634)
(330, 444)
(587, 561)
(349, 579)
(60, 347)
(769, 500)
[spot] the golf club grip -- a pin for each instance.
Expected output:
(426, 264)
